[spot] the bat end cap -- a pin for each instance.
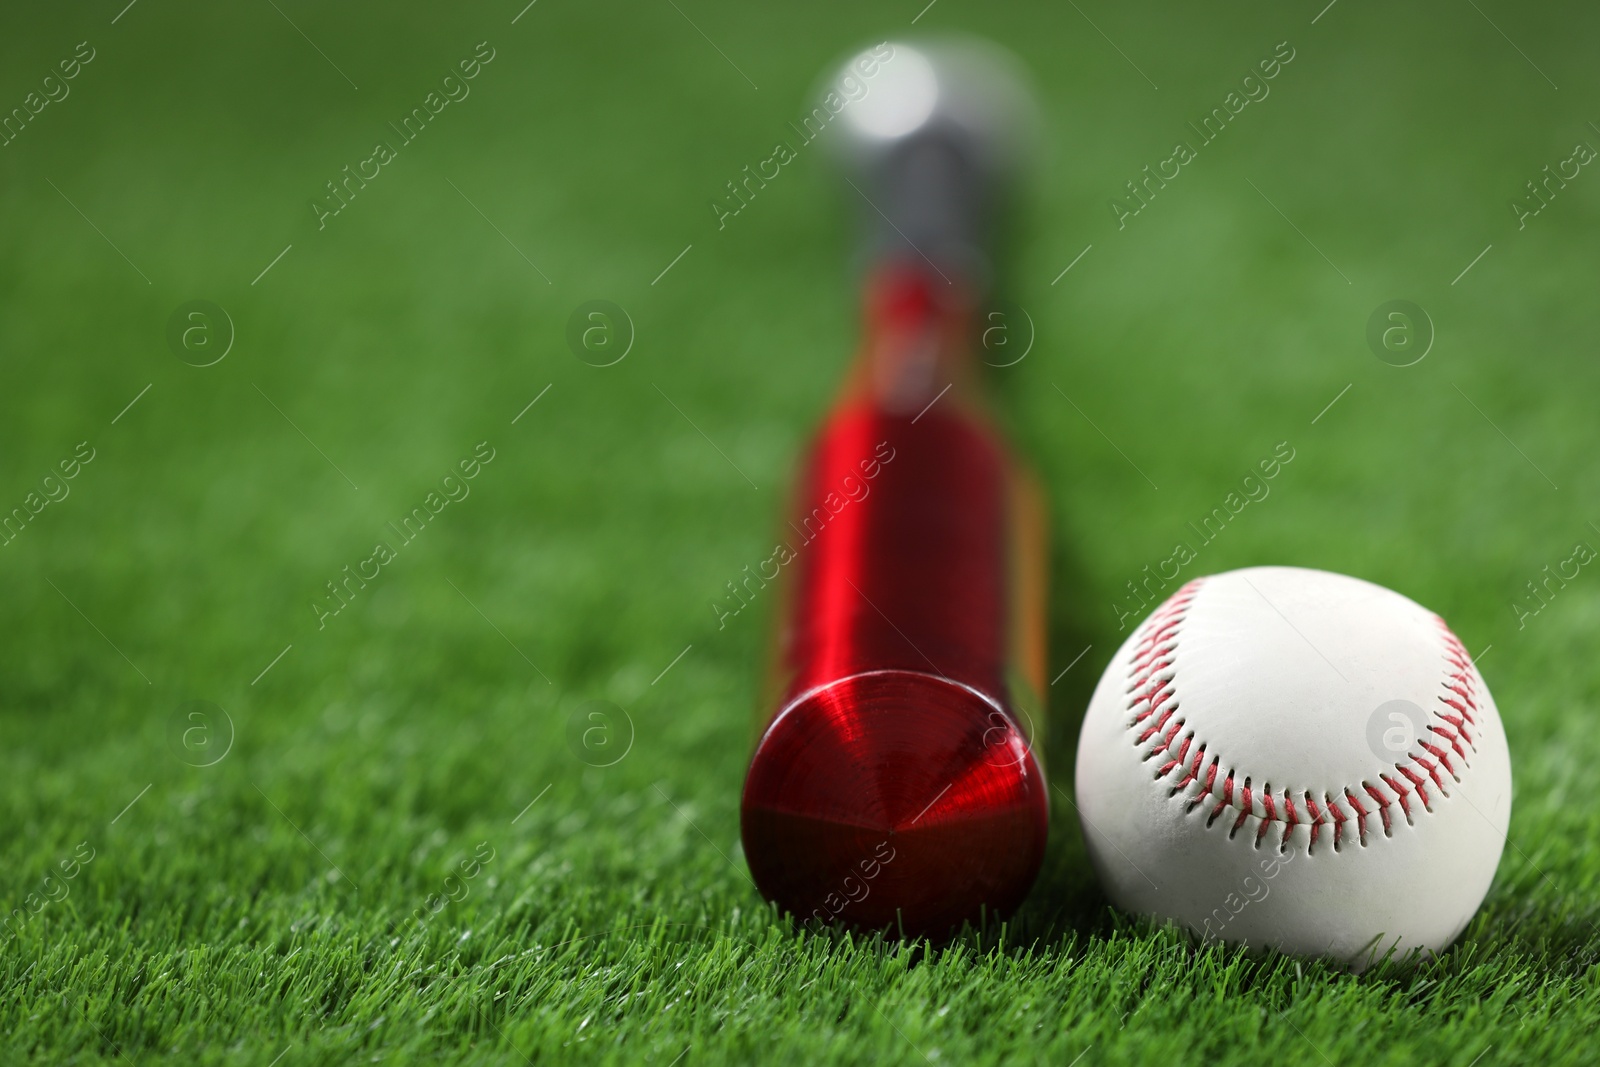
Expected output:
(894, 800)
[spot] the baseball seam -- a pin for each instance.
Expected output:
(1157, 726)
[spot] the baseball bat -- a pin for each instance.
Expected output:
(896, 782)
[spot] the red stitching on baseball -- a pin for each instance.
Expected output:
(1383, 806)
(1361, 814)
(1339, 819)
(1450, 736)
(1460, 724)
(1419, 785)
(1442, 756)
(1152, 692)
(1244, 813)
(1402, 793)
(1432, 768)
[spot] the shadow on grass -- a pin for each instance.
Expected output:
(1067, 899)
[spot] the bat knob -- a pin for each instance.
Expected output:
(932, 136)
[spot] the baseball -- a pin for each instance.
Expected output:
(1296, 760)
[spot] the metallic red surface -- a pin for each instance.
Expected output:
(896, 783)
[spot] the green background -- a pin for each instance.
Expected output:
(242, 912)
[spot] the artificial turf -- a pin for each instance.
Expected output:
(264, 908)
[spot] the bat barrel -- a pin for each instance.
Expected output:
(897, 782)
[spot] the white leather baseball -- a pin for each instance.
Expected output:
(1296, 760)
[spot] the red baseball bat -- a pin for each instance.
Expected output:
(896, 783)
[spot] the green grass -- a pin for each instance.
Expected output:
(259, 907)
